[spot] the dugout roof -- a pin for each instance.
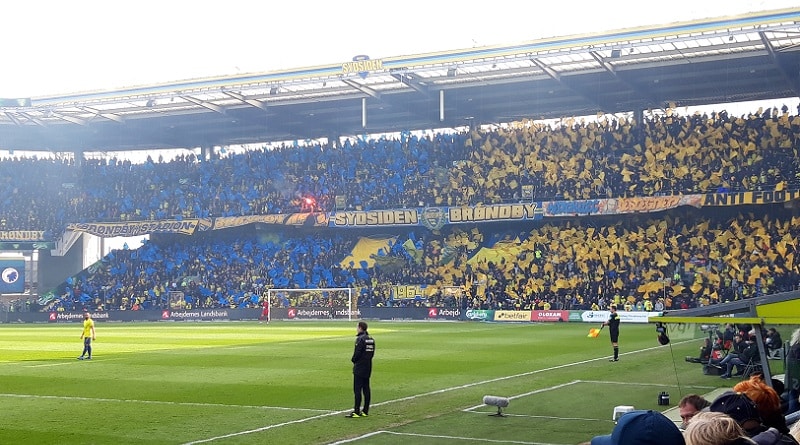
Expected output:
(749, 57)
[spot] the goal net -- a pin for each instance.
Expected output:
(313, 304)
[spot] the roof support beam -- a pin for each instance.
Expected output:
(68, 118)
(13, 118)
(35, 120)
(242, 98)
(109, 116)
(411, 81)
(791, 81)
(204, 104)
(613, 71)
(557, 77)
(368, 91)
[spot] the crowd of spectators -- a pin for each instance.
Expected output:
(684, 258)
(752, 412)
(613, 157)
(211, 274)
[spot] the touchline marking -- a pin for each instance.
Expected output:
(364, 436)
(606, 382)
(574, 382)
(531, 416)
(72, 362)
(417, 396)
(432, 436)
(537, 391)
(265, 428)
(158, 402)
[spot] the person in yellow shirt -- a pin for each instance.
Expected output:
(88, 336)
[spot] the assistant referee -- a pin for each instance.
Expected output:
(613, 331)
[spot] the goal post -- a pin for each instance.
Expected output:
(314, 304)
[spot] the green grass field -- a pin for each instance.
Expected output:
(291, 382)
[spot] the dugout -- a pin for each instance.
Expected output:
(781, 309)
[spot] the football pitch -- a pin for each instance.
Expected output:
(291, 382)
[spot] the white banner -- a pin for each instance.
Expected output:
(624, 316)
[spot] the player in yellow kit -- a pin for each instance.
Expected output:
(87, 336)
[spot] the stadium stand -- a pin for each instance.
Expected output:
(681, 258)
(665, 155)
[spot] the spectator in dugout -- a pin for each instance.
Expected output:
(706, 350)
(773, 342)
(740, 360)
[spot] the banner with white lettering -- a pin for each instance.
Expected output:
(542, 315)
(436, 217)
(136, 228)
(624, 316)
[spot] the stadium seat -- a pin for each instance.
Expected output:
(752, 367)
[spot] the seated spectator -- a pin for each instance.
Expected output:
(642, 428)
(705, 352)
(689, 406)
(745, 412)
(727, 335)
(767, 400)
(748, 354)
(738, 346)
(773, 342)
(711, 428)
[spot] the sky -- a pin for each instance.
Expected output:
(56, 47)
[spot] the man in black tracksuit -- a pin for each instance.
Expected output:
(362, 369)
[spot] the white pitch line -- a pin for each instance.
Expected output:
(266, 428)
(363, 436)
(413, 397)
(574, 382)
(531, 416)
(606, 382)
(158, 402)
(537, 391)
(71, 362)
(436, 436)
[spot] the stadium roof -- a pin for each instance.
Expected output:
(748, 57)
